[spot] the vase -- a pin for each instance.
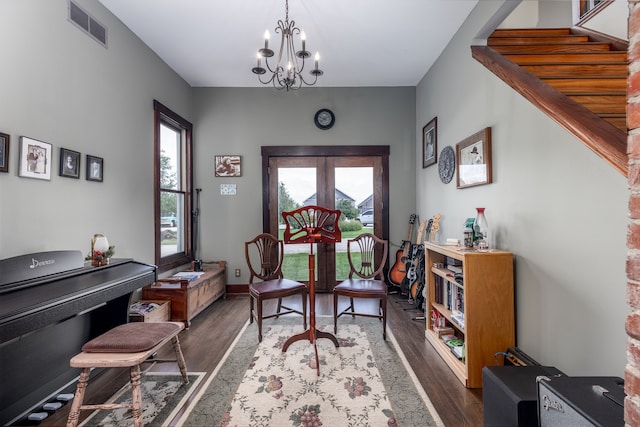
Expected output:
(481, 228)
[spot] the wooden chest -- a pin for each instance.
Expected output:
(189, 297)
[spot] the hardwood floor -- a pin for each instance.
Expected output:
(214, 330)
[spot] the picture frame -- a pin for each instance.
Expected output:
(95, 168)
(69, 163)
(430, 143)
(228, 166)
(4, 152)
(473, 159)
(34, 159)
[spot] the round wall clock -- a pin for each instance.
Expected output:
(447, 164)
(324, 119)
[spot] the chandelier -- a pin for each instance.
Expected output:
(287, 72)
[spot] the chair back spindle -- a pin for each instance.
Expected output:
(361, 253)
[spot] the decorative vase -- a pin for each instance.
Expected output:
(481, 228)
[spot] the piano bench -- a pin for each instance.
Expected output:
(127, 345)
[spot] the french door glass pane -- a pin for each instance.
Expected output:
(354, 196)
(296, 188)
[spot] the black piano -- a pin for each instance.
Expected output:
(51, 303)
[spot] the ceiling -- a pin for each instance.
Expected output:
(213, 43)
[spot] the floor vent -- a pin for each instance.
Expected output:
(87, 23)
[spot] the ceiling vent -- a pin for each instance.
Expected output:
(87, 23)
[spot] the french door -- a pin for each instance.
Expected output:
(353, 179)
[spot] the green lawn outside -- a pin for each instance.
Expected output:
(296, 266)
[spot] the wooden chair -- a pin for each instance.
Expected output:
(365, 280)
(267, 251)
(128, 345)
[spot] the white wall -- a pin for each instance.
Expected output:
(60, 86)
(241, 120)
(612, 20)
(557, 206)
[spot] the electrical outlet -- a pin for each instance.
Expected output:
(237, 272)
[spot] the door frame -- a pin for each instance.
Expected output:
(381, 151)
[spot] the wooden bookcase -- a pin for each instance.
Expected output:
(189, 298)
(488, 306)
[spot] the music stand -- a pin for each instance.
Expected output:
(311, 224)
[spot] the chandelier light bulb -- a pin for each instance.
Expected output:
(303, 37)
(266, 39)
(317, 58)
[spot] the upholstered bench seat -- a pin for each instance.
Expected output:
(127, 345)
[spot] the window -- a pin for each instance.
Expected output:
(173, 183)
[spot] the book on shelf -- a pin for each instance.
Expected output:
(455, 268)
(458, 318)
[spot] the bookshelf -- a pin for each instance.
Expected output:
(482, 315)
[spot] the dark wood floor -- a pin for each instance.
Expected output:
(212, 332)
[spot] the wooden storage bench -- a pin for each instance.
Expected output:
(189, 298)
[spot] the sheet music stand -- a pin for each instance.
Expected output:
(311, 224)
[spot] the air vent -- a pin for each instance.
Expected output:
(87, 23)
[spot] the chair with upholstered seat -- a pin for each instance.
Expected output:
(365, 280)
(267, 252)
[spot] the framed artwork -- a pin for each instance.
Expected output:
(69, 163)
(35, 159)
(95, 168)
(227, 165)
(430, 143)
(4, 152)
(474, 159)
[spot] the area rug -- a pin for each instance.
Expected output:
(163, 394)
(364, 382)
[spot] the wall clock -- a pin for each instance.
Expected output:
(447, 164)
(324, 119)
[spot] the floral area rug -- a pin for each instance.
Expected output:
(364, 382)
(163, 394)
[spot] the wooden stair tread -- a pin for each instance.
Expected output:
(537, 39)
(587, 85)
(582, 69)
(510, 32)
(609, 57)
(550, 48)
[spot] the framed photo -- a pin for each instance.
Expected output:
(69, 163)
(430, 143)
(35, 159)
(474, 159)
(95, 168)
(4, 152)
(227, 165)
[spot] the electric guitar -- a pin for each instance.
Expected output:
(412, 263)
(398, 271)
(415, 266)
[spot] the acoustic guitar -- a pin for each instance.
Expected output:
(398, 271)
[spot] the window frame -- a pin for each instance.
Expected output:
(163, 115)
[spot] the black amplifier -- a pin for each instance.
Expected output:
(571, 401)
(509, 394)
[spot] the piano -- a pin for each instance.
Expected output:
(51, 303)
